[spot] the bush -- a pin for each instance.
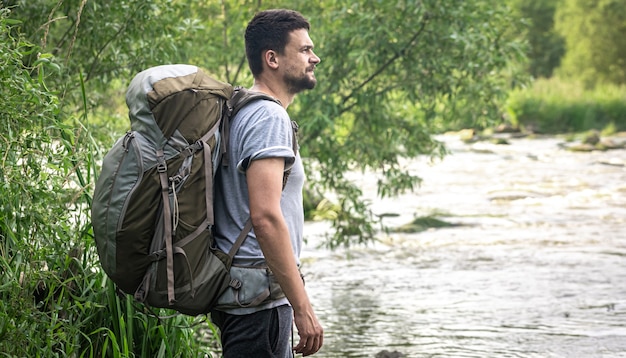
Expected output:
(54, 300)
(557, 106)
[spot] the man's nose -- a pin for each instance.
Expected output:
(315, 59)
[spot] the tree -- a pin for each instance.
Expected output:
(392, 73)
(595, 36)
(546, 45)
(100, 41)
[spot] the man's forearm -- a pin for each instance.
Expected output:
(273, 237)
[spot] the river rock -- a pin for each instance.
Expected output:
(609, 143)
(387, 354)
(592, 138)
(506, 128)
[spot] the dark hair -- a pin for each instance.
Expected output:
(269, 30)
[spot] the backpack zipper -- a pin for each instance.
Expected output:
(128, 143)
(127, 138)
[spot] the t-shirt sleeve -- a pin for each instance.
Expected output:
(267, 133)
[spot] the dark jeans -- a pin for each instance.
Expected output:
(263, 334)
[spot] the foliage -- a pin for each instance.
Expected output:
(36, 218)
(546, 46)
(27, 193)
(382, 92)
(595, 35)
(420, 66)
(53, 300)
(102, 40)
(558, 106)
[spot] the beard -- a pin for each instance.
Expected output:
(297, 84)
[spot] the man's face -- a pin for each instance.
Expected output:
(300, 62)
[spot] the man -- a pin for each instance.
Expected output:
(261, 153)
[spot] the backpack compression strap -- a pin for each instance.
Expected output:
(167, 210)
(167, 224)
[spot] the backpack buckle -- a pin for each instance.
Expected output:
(234, 283)
(161, 167)
(161, 164)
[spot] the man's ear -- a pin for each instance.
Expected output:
(271, 59)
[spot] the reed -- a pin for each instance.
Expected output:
(561, 106)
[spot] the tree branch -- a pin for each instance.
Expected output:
(389, 62)
(239, 68)
(376, 94)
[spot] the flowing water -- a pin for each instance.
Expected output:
(535, 268)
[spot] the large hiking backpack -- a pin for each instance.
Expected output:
(152, 211)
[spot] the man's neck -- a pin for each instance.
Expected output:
(274, 91)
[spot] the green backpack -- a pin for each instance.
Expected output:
(152, 211)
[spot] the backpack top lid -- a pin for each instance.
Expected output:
(155, 85)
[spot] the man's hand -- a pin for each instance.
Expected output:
(310, 332)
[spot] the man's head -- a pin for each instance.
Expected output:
(282, 34)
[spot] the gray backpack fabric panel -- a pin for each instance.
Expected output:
(139, 111)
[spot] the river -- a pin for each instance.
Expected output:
(535, 268)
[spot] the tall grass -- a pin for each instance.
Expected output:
(54, 299)
(559, 106)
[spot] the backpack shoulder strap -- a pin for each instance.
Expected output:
(240, 239)
(241, 97)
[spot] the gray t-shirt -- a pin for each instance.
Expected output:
(262, 129)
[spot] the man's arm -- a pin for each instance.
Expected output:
(265, 180)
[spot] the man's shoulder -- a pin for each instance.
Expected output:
(267, 104)
(260, 110)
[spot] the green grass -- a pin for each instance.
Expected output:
(558, 106)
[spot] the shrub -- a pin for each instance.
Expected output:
(54, 300)
(557, 106)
